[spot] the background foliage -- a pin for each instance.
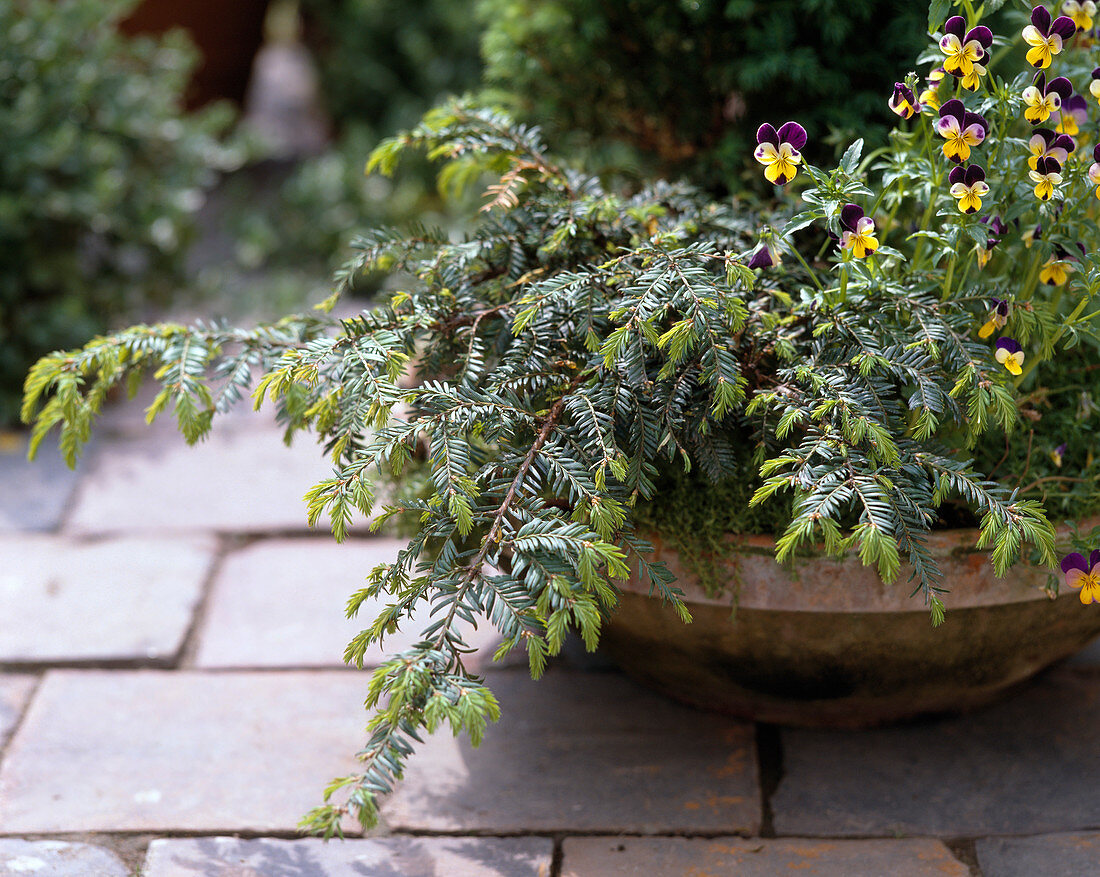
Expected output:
(100, 175)
(683, 84)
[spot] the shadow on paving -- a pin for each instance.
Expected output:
(1027, 765)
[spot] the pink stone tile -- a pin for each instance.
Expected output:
(117, 599)
(15, 691)
(235, 481)
(57, 858)
(280, 603)
(376, 857)
(585, 752)
(166, 751)
(630, 856)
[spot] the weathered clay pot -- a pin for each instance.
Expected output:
(825, 642)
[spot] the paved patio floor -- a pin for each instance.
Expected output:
(173, 699)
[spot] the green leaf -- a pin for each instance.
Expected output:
(850, 160)
(937, 14)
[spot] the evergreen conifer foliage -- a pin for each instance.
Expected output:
(575, 344)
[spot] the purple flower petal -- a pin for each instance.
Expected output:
(1001, 307)
(1075, 561)
(1096, 72)
(975, 119)
(954, 108)
(1047, 165)
(1009, 344)
(1063, 26)
(766, 134)
(761, 258)
(1060, 86)
(981, 33)
(1096, 152)
(956, 25)
(1064, 141)
(794, 134)
(1041, 19)
(1077, 107)
(1040, 81)
(974, 173)
(957, 175)
(850, 215)
(1046, 134)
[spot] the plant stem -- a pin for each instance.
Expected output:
(809, 270)
(1070, 320)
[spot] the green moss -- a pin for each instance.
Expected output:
(695, 515)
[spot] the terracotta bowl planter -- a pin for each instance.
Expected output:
(827, 643)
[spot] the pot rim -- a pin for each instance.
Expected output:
(810, 584)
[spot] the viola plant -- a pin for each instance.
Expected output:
(926, 344)
(779, 152)
(1046, 36)
(1083, 574)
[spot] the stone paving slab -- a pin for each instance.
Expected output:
(160, 751)
(584, 752)
(1025, 766)
(696, 857)
(122, 417)
(117, 599)
(235, 481)
(280, 603)
(1051, 855)
(15, 691)
(377, 857)
(55, 858)
(33, 496)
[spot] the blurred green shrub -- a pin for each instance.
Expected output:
(685, 83)
(100, 175)
(305, 220)
(384, 63)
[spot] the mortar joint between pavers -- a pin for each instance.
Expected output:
(23, 710)
(965, 850)
(558, 858)
(769, 773)
(225, 545)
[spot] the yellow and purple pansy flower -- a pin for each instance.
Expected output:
(1045, 36)
(1056, 269)
(1009, 354)
(998, 317)
(1044, 143)
(930, 97)
(964, 49)
(1043, 98)
(779, 151)
(1094, 85)
(1058, 455)
(903, 101)
(1073, 113)
(1094, 169)
(961, 129)
(968, 187)
(858, 233)
(1081, 12)
(1046, 176)
(997, 230)
(764, 256)
(1083, 574)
